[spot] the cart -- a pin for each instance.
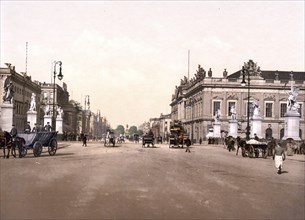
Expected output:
(148, 140)
(38, 140)
(255, 148)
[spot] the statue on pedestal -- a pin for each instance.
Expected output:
(8, 90)
(291, 102)
(59, 112)
(256, 109)
(33, 102)
(233, 112)
(217, 115)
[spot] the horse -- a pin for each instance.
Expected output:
(6, 141)
(241, 143)
(229, 142)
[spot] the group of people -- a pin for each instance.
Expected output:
(28, 129)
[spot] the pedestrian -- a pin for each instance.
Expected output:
(188, 144)
(200, 141)
(47, 127)
(85, 140)
(256, 137)
(279, 157)
(36, 128)
(27, 128)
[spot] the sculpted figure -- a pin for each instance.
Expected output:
(8, 90)
(33, 102)
(217, 115)
(233, 112)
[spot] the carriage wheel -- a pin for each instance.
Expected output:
(37, 149)
(52, 147)
(265, 153)
(251, 151)
(243, 152)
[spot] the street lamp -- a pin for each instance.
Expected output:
(87, 103)
(243, 84)
(60, 76)
(191, 104)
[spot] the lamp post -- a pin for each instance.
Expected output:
(243, 84)
(192, 116)
(87, 103)
(60, 76)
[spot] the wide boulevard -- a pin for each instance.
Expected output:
(131, 182)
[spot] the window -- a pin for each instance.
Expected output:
(283, 109)
(250, 109)
(268, 110)
(216, 106)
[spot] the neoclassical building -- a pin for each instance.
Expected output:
(196, 100)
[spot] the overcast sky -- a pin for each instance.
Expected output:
(128, 56)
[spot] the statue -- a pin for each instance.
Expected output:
(8, 90)
(256, 109)
(233, 112)
(33, 102)
(291, 102)
(217, 115)
(59, 112)
(47, 110)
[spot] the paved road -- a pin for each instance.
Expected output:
(131, 182)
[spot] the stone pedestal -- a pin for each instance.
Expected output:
(47, 118)
(6, 120)
(216, 130)
(256, 127)
(32, 118)
(233, 128)
(292, 125)
(59, 121)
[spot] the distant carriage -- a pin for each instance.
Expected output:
(36, 141)
(178, 137)
(253, 148)
(148, 140)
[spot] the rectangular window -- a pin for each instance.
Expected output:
(268, 110)
(216, 106)
(283, 109)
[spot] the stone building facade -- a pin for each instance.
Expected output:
(196, 100)
(23, 87)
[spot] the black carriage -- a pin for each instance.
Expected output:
(148, 140)
(36, 141)
(255, 148)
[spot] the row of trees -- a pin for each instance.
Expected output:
(131, 131)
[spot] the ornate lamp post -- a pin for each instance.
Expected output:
(243, 84)
(60, 76)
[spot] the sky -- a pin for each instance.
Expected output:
(128, 56)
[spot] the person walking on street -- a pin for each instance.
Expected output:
(85, 140)
(188, 144)
(279, 157)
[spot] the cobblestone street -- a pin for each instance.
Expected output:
(131, 182)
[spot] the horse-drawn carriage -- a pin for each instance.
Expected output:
(109, 139)
(148, 140)
(37, 140)
(252, 148)
(178, 136)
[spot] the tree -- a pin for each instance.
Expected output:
(120, 130)
(133, 130)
